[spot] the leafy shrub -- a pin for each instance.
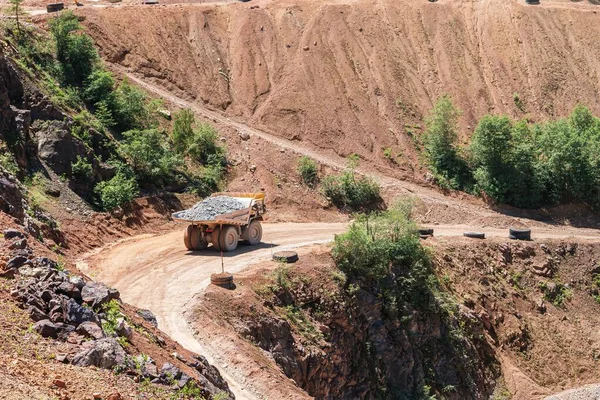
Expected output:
(99, 87)
(150, 156)
(376, 244)
(75, 52)
(116, 192)
(82, 169)
(183, 129)
(308, 170)
(7, 161)
(441, 148)
(349, 191)
(129, 107)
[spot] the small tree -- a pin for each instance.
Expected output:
(15, 8)
(307, 168)
(74, 50)
(441, 148)
(183, 129)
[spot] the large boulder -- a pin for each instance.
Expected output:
(55, 145)
(90, 330)
(77, 314)
(148, 316)
(11, 197)
(102, 353)
(46, 328)
(96, 294)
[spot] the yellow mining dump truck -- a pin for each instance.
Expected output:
(224, 219)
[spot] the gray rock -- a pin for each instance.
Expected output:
(46, 328)
(123, 328)
(33, 272)
(55, 145)
(70, 290)
(17, 262)
(18, 244)
(96, 294)
(36, 314)
(148, 316)
(90, 330)
(45, 262)
(102, 353)
(77, 281)
(169, 373)
(12, 234)
(210, 207)
(77, 314)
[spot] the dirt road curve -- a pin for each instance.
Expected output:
(157, 273)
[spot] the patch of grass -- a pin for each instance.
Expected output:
(518, 102)
(298, 318)
(556, 293)
(515, 279)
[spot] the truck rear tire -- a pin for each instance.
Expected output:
(216, 235)
(229, 238)
(254, 233)
(192, 238)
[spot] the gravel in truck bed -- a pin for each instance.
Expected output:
(209, 208)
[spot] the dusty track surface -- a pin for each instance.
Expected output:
(156, 272)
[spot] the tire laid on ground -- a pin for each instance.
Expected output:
(54, 7)
(474, 235)
(253, 234)
(216, 234)
(426, 232)
(224, 280)
(229, 238)
(519, 234)
(285, 256)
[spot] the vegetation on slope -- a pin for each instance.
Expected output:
(516, 162)
(120, 126)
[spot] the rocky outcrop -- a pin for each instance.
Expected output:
(90, 318)
(340, 345)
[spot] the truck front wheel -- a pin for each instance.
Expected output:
(253, 233)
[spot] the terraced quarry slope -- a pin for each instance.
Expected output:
(358, 76)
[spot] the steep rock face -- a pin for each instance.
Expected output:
(338, 345)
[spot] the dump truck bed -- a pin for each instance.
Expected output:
(238, 217)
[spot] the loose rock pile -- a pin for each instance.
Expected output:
(67, 308)
(210, 207)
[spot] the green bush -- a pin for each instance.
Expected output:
(150, 156)
(75, 52)
(99, 87)
(203, 147)
(308, 170)
(441, 148)
(351, 192)
(82, 169)
(183, 130)
(129, 108)
(376, 244)
(116, 192)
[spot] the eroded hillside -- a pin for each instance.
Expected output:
(358, 76)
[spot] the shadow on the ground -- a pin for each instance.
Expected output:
(576, 215)
(241, 249)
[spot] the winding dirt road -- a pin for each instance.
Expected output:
(157, 273)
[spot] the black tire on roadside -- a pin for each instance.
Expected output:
(425, 232)
(286, 256)
(519, 234)
(474, 235)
